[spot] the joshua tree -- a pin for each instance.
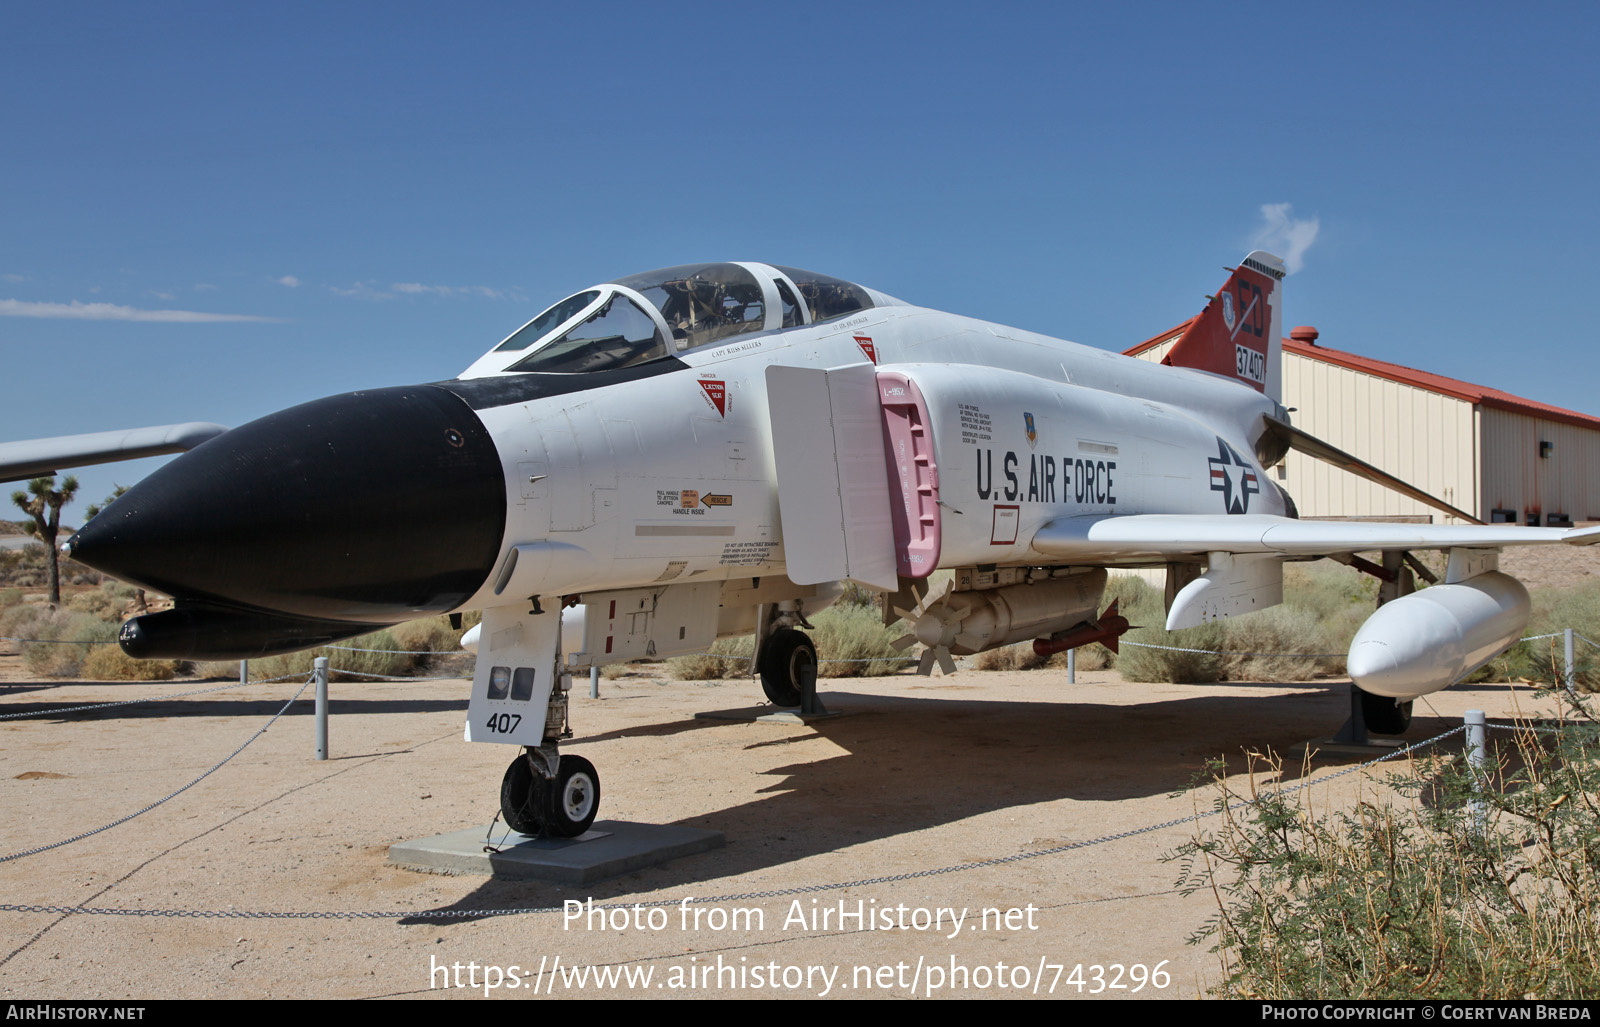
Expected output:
(93, 509)
(44, 498)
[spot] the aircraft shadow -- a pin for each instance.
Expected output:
(915, 763)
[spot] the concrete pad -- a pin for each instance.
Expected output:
(769, 715)
(609, 848)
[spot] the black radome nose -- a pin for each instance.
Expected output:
(370, 507)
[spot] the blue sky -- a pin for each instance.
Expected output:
(213, 211)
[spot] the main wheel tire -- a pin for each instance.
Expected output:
(524, 798)
(572, 799)
(784, 656)
(1385, 716)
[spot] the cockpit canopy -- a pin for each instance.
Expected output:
(665, 312)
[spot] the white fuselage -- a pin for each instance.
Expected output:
(671, 478)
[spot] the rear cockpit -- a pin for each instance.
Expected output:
(671, 311)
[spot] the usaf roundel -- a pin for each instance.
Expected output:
(1234, 478)
(1228, 316)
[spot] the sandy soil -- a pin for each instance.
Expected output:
(923, 774)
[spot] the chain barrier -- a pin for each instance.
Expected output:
(153, 698)
(400, 652)
(382, 677)
(808, 889)
(174, 795)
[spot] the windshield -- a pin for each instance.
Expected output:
(548, 321)
(827, 297)
(703, 303)
(616, 335)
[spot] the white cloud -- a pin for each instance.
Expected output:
(1285, 235)
(14, 278)
(370, 290)
(417, 288)
(205, 287)
(113, 312)
(363, 291)
(289, 280)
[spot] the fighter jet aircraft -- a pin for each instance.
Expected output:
(710, 450)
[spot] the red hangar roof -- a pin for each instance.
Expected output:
(1302, 342)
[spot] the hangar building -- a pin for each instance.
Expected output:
(1492, 454)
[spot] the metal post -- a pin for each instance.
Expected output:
(1570, 680)
(321, 672)
(1478, 762)
(594, 682)
(244, 671)
(1072, 666)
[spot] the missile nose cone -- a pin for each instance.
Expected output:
(371, 506)
(1373, 666)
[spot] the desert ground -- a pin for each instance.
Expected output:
(922, 774)
(943, 774)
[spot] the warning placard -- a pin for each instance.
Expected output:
(716, 391)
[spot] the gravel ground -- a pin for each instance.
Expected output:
(923, 774)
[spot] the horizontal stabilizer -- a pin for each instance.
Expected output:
(1315, 448)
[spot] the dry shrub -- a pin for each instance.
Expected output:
(1480, 884)
(727, 658)
(852, 634)
(109, 663)
(49, 657)
(855, 636)
(1009, 657)
(1281, 643)
(1544, 659)
(106, 602)
(1022, 657)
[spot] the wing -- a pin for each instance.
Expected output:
(1169, 536)
(1244, 554)
(35, 457)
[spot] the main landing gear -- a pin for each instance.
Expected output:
(785, 659)
(562, 805)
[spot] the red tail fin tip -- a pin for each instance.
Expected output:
(1239, 334)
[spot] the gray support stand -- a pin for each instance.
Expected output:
(320, 673)
(809, 703)
(1478, 762)
(244, 671)
(1354, 731)
(594, 682)
(1352, 739)
(1072, 666)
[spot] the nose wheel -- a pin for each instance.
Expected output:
(563, 806)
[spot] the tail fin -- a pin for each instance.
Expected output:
(1239, 334)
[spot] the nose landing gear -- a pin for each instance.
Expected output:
(562, 805)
